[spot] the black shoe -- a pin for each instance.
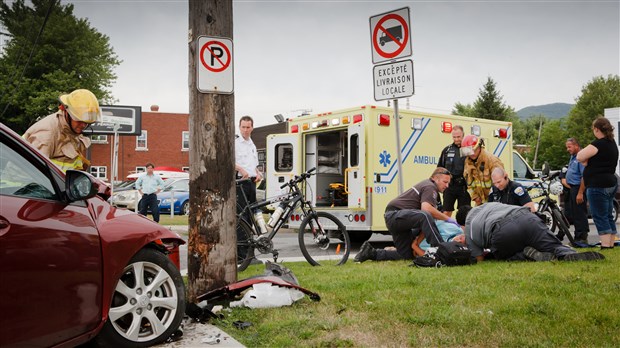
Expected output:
(586, 256)
(536, 255)
(367, 252)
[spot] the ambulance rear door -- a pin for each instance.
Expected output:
(283, 161)
(356, 170)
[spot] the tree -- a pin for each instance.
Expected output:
(596, 96)
(463, 110)
(489, 104)
(50, 52)
(552, 147)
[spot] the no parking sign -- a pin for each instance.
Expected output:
(214, 67)
(390, 35)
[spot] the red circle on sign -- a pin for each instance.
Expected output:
(224, 64)
(401, 45)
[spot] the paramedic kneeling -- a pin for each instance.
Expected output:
(513, 233)
(411, 216)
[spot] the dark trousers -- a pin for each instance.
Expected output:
(522, 229)
(455, 194)
(579, 214)
(249, 188)
(149, 201)
(404, 226)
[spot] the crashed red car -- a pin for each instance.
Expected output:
(74, 268)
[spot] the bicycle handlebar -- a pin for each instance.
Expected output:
(299, 178)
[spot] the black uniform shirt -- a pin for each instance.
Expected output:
(514, 194)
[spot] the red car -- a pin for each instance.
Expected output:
(74, 268)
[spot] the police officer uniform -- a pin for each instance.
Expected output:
(457, 191)
(513, 194)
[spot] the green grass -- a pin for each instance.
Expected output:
(166, 220)
(492, 304)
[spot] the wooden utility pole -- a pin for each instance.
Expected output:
(212, 240)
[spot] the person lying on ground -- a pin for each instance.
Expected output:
(512, 233)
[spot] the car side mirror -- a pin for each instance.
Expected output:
(80, 185)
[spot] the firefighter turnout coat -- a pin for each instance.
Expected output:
(478, 175)
(55, 139)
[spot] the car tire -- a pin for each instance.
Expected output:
(185, 208)
(158, 308)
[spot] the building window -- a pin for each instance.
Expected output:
(99, 172)
(99, 139)
(185, 141)
(141, 141)
(140, 169)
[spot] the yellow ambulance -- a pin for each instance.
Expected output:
(355, 152)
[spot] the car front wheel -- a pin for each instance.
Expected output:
(148, 302)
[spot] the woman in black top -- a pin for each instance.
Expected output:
(600, 159)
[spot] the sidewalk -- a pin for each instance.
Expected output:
(203, 335)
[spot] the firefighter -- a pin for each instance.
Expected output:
(478, 168)
(60, 137)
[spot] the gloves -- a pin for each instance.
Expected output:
(452, 221)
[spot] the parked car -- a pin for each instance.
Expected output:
(177, 192)
(72, 266)
(130, 198)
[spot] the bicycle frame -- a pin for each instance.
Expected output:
(292, 199)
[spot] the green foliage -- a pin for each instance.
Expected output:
(596, 96)
(463, 110)
(496, 304)
(552, 147)
(68, 55)
(489, 104)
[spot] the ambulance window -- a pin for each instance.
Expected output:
(354, 151)
(284, 157)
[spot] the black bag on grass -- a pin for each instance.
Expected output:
(453, 254)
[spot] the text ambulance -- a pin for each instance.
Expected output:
(355, 155)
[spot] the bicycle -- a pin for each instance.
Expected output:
(322, 237)
(548, 208)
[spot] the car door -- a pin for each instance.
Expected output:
(50, 254)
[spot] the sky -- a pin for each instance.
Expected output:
(290, 56)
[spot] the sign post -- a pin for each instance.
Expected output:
(390, 37)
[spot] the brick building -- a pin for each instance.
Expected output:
(164, 142)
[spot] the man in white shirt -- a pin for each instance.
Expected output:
(149, 185)
(246, 165)
(246, 158)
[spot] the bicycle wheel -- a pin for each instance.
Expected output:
(562, 224)
(324, 239)
(245, 245)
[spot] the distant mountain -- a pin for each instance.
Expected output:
(552, 111)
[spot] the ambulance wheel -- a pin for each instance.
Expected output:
(360, 236)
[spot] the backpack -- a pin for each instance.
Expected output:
(453, 254)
